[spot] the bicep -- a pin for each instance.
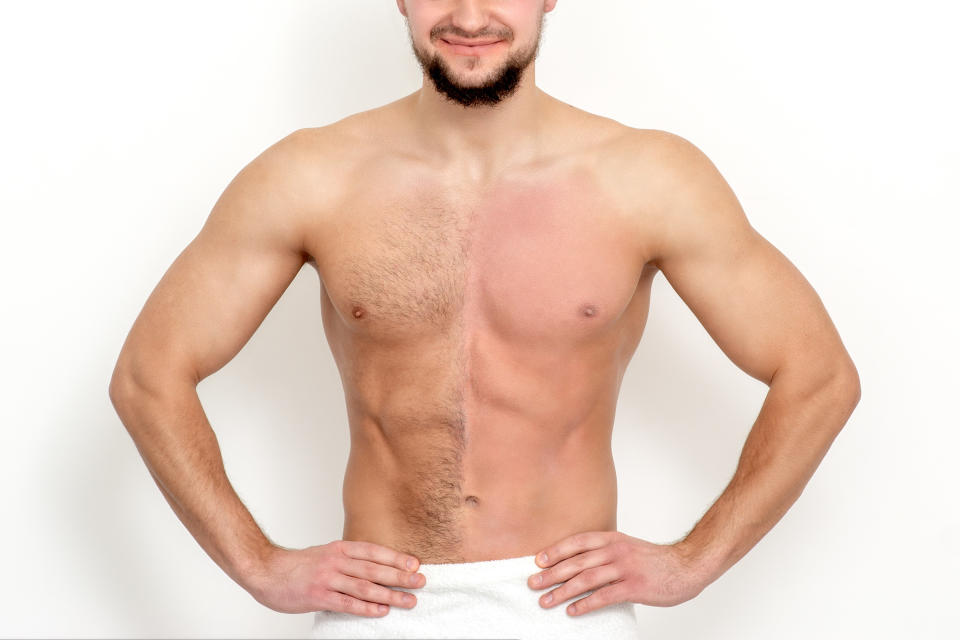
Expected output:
(755, 304)
(220, 288)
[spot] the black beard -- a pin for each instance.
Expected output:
(489, 93)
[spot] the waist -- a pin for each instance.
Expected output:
(440, 523)
(443, 576)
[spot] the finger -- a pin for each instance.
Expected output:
(573, 545)
(361, 550)
(348, 604)
(570, 567)
(381, 573)
(579, 584)
(373, 593)
(603, 597)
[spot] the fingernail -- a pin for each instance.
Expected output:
(548, 599)
(411, 563)
(543, 558)
(537, 579)
(382, 608)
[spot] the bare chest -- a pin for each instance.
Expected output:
(531, 259)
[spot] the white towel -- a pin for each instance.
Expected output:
(488, 599)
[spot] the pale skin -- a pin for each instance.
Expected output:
(485, 278)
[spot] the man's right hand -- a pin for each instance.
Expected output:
(343, 575)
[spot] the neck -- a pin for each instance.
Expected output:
(480, 140)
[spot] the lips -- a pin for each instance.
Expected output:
(473, 48)
(468, 43)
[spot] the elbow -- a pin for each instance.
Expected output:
(119, 388)
(853, 386)
(835, 382)
(127, 382)
(145, 369)
(844, 390)
(846, 380)
(134, 380)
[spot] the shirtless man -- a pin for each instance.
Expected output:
(486, 254)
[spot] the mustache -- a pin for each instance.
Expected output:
(459, 33)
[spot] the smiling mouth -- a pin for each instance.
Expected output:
(471, 48)
(470, 43)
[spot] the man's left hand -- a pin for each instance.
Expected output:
(619, 568)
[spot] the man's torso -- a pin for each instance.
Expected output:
(481, 328)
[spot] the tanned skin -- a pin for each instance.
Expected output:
(485, 254)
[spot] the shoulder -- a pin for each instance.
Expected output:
(289, 191)
(327, 152)
(312, 167)
(653, 155)
(647, 166)
(678, 194)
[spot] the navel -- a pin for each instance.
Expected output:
(472, 500)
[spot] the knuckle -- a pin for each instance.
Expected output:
(323, 600)
(587, 576)
(325, 575)
(370, 591)
(332, 562)
(344, 602)
(361, 608)
(574, 585)
(582, 604)
(317, 592)
(616, 592)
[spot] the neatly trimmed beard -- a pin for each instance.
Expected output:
(500, 85)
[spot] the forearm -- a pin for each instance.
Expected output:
(180, 449)
(793, 431)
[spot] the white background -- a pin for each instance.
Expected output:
(122, 122)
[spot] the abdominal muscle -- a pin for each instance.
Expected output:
(458, 458)
(510, 486)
